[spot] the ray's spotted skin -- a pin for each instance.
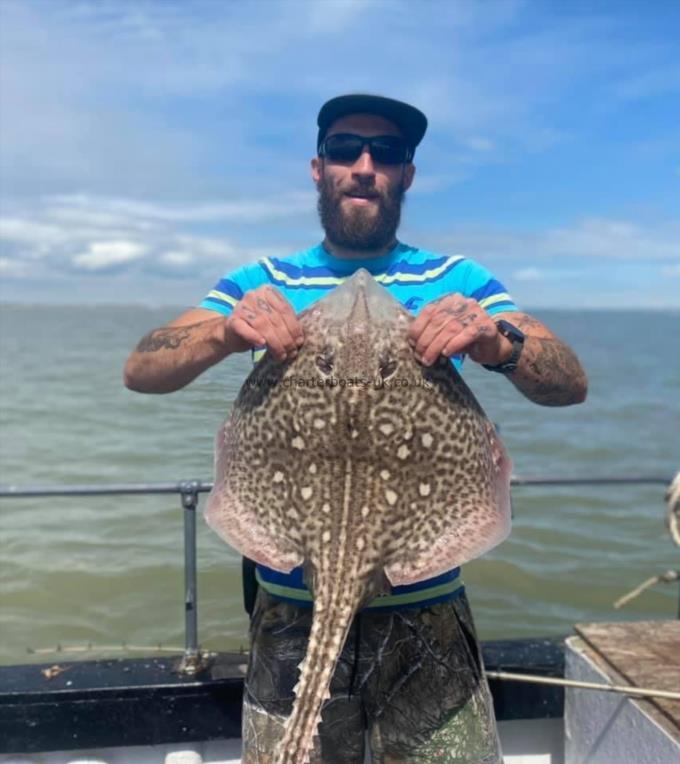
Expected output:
(361, 464)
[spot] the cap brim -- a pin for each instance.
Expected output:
(411, 121)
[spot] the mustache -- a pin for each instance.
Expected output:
(367, 189)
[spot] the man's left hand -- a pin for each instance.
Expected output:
(457, 324)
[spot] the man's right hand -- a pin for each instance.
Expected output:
(264, 318)
(170, 357)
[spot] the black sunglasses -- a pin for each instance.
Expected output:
(347, 147)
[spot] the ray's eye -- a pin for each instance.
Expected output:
(324, 364)
(387, 369)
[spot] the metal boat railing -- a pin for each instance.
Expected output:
(189, 491)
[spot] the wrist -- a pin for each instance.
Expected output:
(505, 349)
(221, 338)
(514, 338)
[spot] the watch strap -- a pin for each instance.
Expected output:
(516, 336)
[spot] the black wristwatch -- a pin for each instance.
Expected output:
(516, 336)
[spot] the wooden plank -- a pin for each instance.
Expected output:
(645, 654)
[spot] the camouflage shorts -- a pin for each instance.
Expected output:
(412, 679)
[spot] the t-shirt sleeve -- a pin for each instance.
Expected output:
(231, 288)
(483, 286)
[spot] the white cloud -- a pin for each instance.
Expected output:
(654, 82)
(177, 258)
(12, 267)
(38, 234)
(590, 238)
(179, 127)
(102, 255)
(113, 211)
(600, 237)
(89, 89)
(479, 143)
(333, 16)
(97, 235)
(528, 274)
(671, 270)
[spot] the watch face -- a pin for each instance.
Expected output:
(510, 331)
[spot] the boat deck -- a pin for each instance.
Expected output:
(144, 711)
(644, 654)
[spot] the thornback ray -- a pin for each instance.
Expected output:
(361, 464)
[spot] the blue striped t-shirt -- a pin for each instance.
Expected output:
(415, 277)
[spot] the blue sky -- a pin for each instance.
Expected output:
(146, 148)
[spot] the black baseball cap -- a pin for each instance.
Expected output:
(411, 121)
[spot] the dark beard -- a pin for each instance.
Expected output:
(356, 229)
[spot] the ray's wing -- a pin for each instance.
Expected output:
(451, 488)
(247, 504)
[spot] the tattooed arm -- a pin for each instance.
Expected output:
(170, 357)
(548, 372)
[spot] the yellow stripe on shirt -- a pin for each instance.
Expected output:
(489, 301)
(223, 297)
(396, 278)
(302, 280)
(417, 278)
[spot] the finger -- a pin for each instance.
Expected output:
(464, 342)
(261, 315)
(436, 313)
(287, 313)
(277, 338)
(281, 333)
(448, 334)
(245, 332)
(438, 320)
(421, 321)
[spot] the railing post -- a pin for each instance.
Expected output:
(191, 660)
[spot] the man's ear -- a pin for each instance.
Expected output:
(317, 169)
(409, 174)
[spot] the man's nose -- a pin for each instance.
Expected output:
(364, 164)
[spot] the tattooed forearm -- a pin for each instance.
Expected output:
(549, 373)
(170, 357)
(164, 339)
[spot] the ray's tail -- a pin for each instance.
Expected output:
(333, 613)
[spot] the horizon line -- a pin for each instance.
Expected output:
(177, 306)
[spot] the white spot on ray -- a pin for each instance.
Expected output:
(384, 474)
(278, 476)
(355, 433)
(306, 492)
(386, 428)
(365, 511)
(298, 443)
(312, 468)
(361, 543)
(403, 452)
(391, 497)
(326, 508)
(326, 537)
(424, 489)
(426, 439)
(319, 424)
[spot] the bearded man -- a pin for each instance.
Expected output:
(411, 673)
